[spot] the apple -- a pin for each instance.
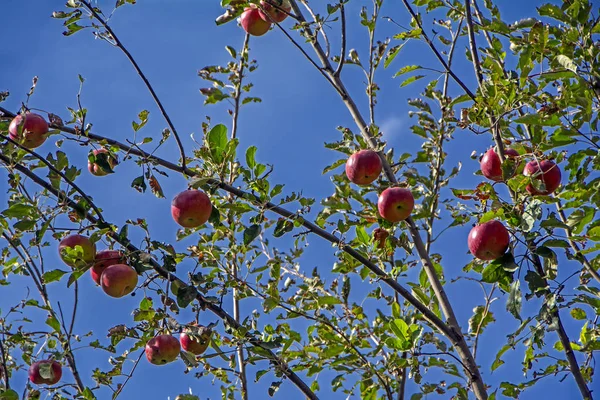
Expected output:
(104, 155)
(253, 23)
(491, 165)
(547, 172)
(488, 241)
(118, 280)
(273, 9)
(162, 349)
(87, 254)
(395, 204)
(379, 236)
(195, 339)
(191, 208)
(363, 167)
(29, 131)
(104, 259)
(46, 372)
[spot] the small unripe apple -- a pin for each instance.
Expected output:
(71, 242)
(191, 208)
(96, 168)
(30, 131)
(488, 241)
(379, 236)
(46, 372)
(118, 280)
(363, 167)
(274, 10)
(395, 204)
(253, 23)
(547, 172)
(491, 165)
(104, 259)
(195, 339)
(162, 349)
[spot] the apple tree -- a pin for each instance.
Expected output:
(459, 259)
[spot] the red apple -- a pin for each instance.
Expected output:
(253, 23)
(491, 165)
(489, 240)
(29, 131)
(95, 168)
(195, 339)
(395, 204)
(104, 259)
(363, 167)
(274, 10)
(191, 208)
(379, 236)
(547, 172)
(87, 251)
(162, 349)
(118, 280)
(46, 372)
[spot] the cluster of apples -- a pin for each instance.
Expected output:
(31, 131)
(257, 20)
(164, 349)
(109, 268)
(490, 240)
(394, 204)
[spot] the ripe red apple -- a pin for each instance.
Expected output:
(195, 339)
(491, 165)
(46, 372)
(489, 240)
(29, 131)
(104, 259)
(71, 242)
(363, 167)
(253, 23)
(547, 172)
(379, 236)
(162, 349)
(191, 208)
(118, 280)
(395, 204)
(96, 168)
(274, 9)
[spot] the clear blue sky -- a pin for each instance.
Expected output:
(172, 40)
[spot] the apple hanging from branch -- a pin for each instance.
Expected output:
(546, 175)
(191, 208)
(118, 280)
(104, 259)
(85, 250)
(195, 339)
(253, 23)
(101, 162)
(488, 241)
(491, 165)
(274, 10)
(395, 204)
(46, 372)
(162, 349)
(363, 167)
(30, 131)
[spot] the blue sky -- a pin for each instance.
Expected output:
(171, 41)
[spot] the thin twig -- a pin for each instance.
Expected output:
(120, 45)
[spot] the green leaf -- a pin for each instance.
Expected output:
(480, 320)
(283, 226)
(217, 142)
(9, 395)
(251, 233)
(19, 210)
(250, 157)
(578, 314)
(412, 79)
(139, 184)
(328, 301)
(53, 276)
(500, 271)
(185, 295)
(566, 62)
(53, 323)
(515, 300)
